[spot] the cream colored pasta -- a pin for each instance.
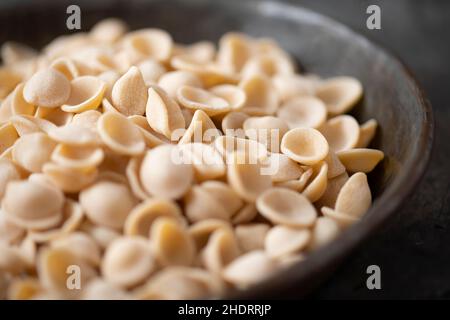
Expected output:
(267, 130)
(251, 236)
(171, 81)
(32, 205)
(47, 88)
(246, 178)
(262, 99)
(107, 203)
(360, 159)
(171, 243)
(339, 94)
(129, 93)
(341, 132)
(163, 113)
(250, 268)
(304, 145)
(128, 261)
(221, 249)
(282, 241)
(162, 176)
(170, 171)
(70, 179)
(196, 98)
(366, 133)
(86, 93)
(318, 182)
(304, 111)
(286, 207)
(141, 218)
(32, 151)
(120, 134)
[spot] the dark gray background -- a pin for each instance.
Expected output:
(413, 249)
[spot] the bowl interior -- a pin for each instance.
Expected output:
(321, 46)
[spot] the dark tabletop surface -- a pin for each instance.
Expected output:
(413, 248)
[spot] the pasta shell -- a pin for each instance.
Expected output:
(14, 52)
(325, 231)
(234, 51)
(67, 67)
(354, 198)
(221, 249)
(32, 151)
(267, 130)
(27, 124)
(249, 269)
(69, 179)
(88, 118)
(207, 162)
(234, 95)
(8, 135)
(172, 81)
(200, 51)
(290, 86)
(75, 134)
(200, 205)
(171, 243)
(304, 111)
(251, 150)
(102, 235)
(81, 245)
(202, 230)
(341, 132)
(177, 283)
(163, 176)
(251, 236)
(151, 71)
(196, 98)
(316, 188)
(129, 93)
(72, 217)
(120, 134)
(283, 168)
(108, 31)
(335, 166)
(360, 159)
(33, 205)
(246, 179)
(201, 129)
(109, 78)
(8, 81)
(86, 94)
(339, 94)
(24, 289)
(366, 133)
(282, 241)
(262, 98)
(141, 218)
(55, 115)
(286, 207)
(163, 113)
(98, 289)
(149, 43)
(151, 137)
(107, 203)
(224, 194)
(47, 88)
(53, 264)
(268, 64)
(305, 145)
(232, 124)
(77, 157)
(246, 214)
(127, 262)
(334, 185)
(18, 103)
(344, 220)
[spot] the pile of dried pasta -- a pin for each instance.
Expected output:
(93, 205)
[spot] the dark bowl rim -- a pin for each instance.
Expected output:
(385, 205)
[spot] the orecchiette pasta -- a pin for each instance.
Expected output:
(170, 171)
